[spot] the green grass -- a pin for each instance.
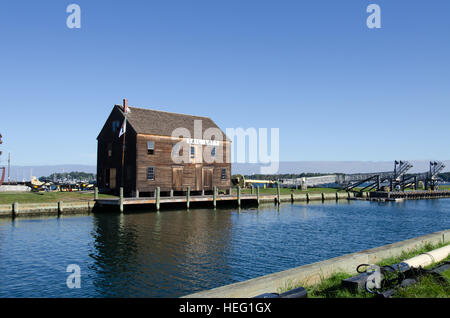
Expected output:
(287, 191)
(427, 287)
(44, 197)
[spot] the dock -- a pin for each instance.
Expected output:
(176, 199)
(157, 202)
(410, 195)
(238, 199)
(187, 199)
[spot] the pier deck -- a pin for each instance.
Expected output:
(176, 199)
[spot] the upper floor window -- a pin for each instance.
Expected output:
(115, 126)
(109, 149)
(150, 147)
(213, 152)
(177, 151)
(192, 152)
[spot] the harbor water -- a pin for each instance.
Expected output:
(175, 253)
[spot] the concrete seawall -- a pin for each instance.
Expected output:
(313, 273)
(51, 208)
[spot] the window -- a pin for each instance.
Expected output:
(150, 173)
(213, 152)
(150, 147)
(177, 151)
(115, 126)
(109, 149)
(224, 174)
(192, 152)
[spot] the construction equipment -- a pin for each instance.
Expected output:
(36, 185)
(374, 181)
(385, 280)
(435, 168)
(429, 179)
(398, 180)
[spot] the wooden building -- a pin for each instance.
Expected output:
(161, 149)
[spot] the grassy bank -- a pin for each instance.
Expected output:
(44, 197)
(427, 287)
(287, 191)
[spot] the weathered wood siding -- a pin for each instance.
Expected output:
(192, 171)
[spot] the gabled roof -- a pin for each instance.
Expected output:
(156, 122)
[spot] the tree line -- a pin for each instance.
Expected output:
(74, 175)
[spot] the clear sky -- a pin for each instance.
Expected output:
(336, 89)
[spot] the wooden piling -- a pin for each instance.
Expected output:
(188, 197)
(15, 209)
(95, 193)
(214, 197)
(239, 195)
(121, 200)
(257, 195)
(158, 196)
(60, 207)
(278, 193)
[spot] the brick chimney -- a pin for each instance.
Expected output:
(125, 104)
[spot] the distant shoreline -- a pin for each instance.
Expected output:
(18, 173)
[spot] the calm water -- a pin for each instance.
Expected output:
(174, 253)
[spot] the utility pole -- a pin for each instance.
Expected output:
(9, 167)
(2, 177)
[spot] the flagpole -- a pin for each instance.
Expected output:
(123, 145)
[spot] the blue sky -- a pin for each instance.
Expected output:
(336, 89)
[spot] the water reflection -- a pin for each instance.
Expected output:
(174, 253)
(157, 253)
